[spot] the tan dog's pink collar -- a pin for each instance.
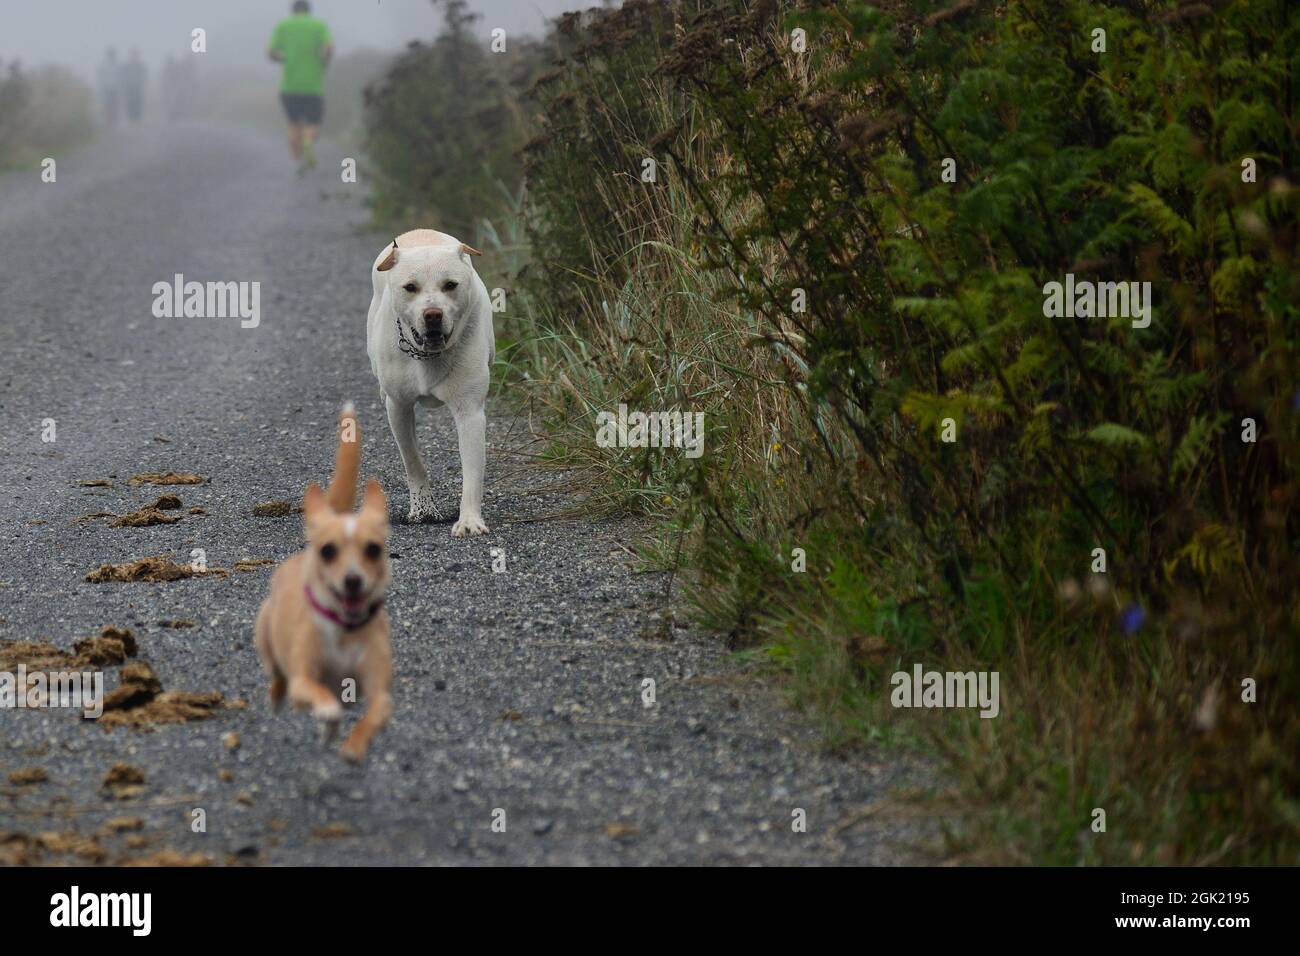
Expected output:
(329, 615)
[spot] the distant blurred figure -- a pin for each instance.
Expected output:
(110, 85)
(169, 77)
(133, 77)
(303, 44)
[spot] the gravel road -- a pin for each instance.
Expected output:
(518, 691)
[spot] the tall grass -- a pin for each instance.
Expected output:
(827, 527)
(818, 173)
(442, 127)
(42, 112)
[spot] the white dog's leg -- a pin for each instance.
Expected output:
(471, 430)
(401, 419)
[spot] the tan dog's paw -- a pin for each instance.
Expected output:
(468, 525)
(354, 748)
(330, 711)
(352, 751)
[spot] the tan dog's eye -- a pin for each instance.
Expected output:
(449, 285)
(373, 551)
(328, 553)
(411, 287)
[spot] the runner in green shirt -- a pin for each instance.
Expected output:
(303, 44)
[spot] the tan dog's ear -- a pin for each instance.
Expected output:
(313, 502)
(375, 497)
(466, 247)
(390, 260)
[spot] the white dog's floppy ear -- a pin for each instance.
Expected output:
(467, 248)
(389, 261)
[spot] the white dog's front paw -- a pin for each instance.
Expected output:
(468, 525)
(423, 507)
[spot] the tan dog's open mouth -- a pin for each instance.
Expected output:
(352, 604)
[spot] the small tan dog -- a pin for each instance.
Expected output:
(324, 621)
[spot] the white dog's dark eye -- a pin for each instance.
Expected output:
(328, 553)
(449, 285)
(373, 551)
(411, 287)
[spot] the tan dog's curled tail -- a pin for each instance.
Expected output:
(342, 493)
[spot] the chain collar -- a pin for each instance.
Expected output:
(409, 347)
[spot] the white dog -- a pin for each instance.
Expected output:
(429, 336)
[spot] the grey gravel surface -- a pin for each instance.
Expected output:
(518, 691)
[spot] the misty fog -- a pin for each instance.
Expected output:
(75, 33)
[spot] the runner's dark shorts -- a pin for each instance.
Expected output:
(303, 107)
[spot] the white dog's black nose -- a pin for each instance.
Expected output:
(433, 321)
(352, 584)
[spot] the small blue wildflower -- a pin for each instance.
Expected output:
(1132, 619)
